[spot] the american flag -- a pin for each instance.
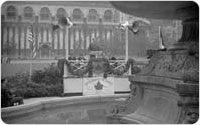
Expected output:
(32, 41)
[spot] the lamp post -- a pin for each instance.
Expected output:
(65, 74)
(125, 28)
(67, 43)
(126, 43)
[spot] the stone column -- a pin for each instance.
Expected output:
(100, 29)
(19, 37)
(85, 34)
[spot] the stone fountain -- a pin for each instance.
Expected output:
(167, 89)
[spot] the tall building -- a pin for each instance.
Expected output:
(95, 21)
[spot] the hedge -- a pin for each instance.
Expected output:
(46, 82)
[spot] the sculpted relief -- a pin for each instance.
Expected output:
(174, 64)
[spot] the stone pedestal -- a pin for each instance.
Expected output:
(165, 91)
(188, 102)
(168, 87)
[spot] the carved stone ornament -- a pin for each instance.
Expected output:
(189, 102)
(125, 107)
(190, 110)
(176, 64)
(191, 115)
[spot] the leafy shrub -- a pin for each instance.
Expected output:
(46, 82)
(18, 83)
(35, 90)
(49, 75)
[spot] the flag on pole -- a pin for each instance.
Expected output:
(32, 41)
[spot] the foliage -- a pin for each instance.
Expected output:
(90, 68)
(49, 75)
(47, 82)
(122, 70)
(71, 69)
(18, 83)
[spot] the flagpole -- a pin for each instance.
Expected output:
(30, 72)
(31, 60)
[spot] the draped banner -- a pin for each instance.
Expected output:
(98, 86)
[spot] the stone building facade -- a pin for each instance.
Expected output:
(95, 21)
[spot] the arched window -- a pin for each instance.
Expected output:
(93, 16)
(77, 14)
(116, 16)
(11, 12)
(108, 15)
(61, 13)
(28, 13)
(44, 13)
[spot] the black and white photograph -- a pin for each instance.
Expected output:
(99, 62)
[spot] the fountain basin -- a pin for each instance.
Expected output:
(67, 110)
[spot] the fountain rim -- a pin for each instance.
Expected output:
(17, 111)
